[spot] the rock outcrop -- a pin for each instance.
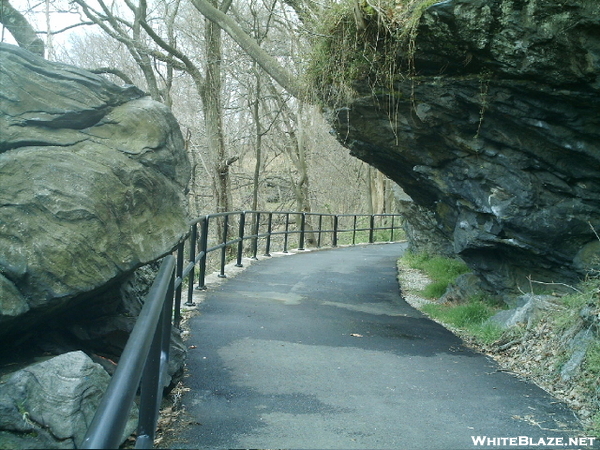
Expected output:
(51, 404)
(92, 177)
(92, 189)
(496, 134)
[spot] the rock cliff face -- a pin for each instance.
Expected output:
(92, 177)
(497, 135)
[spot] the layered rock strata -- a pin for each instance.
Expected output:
(92, 177)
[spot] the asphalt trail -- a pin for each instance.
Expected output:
(318, 350)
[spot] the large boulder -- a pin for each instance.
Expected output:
(497, 134)
(92, 181)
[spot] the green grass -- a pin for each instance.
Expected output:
(592, 359)
(470, 321)
(573, 303)
(595, 428)
(590, 377)
(487, 332)
(470, 317)
(435, 289)
(570, 318)
(442, 271)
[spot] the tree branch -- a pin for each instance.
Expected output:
(186, 64)
(269, 64)
(122, 75)
(20, 28)
(62, 30)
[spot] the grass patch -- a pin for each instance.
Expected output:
(537, 350)
(595, 427)
(577, 313)
(590, 377)
(487, 333)
(435, 289)
(470, 317)
(592, 359)
(588, 294)
(442, 271)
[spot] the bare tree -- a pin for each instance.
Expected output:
(269, 64)
(234, 97)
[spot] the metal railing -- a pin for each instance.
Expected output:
(143, 364)
(144, 361)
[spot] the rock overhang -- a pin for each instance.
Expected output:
(497, 134)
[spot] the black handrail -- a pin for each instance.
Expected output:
(144, 360)
(143, 363)
(201, 242)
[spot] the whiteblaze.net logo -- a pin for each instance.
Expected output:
(526, 441)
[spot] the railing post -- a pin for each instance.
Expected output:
(202, 249)
(302, 230)
(269, 230)
(166, 337)
(287, 230)
(240, 249)
(224, 248)
(178, 274)
(319, 232)
(192, 259)
(146, 356)
(255, 235)
(335, 231)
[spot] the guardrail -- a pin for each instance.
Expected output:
(144, 361)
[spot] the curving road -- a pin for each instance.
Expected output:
(318, 350)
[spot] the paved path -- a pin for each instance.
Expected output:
(318, 350)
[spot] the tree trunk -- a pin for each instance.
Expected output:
(358, 15)
(258, 141)
(213, 115)
(143, 59)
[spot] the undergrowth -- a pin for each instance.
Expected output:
(345, 52)
(581, 311)
(470, 317)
